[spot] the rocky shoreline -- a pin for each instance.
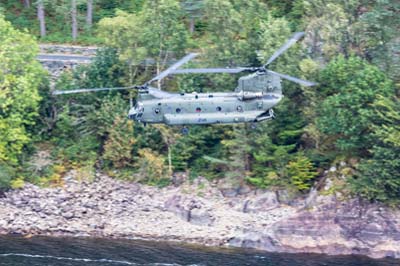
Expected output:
(198, 212)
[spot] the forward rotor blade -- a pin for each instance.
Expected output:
(175, 66)
(297, 36)
(296, 80)
(91, 90)
(210, 70)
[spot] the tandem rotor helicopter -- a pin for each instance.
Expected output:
(250, 102)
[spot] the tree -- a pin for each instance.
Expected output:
(301, 172)
(193, 8)
(330, 25)
(89, 14)
(237, 155)
(350, 86)
(233, 35)
(169, 137)
(379, 176)
(379, 25)
(151, 167)
(118, 147)
(84, 122)
(41, 17)
(156, 32)
(269, 158)
(74, 20)
(20, 76)
(27, 3)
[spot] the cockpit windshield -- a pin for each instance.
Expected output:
(136, 112)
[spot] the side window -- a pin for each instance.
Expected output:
(157, 110)
(239, 108)
(219, 109)
(178, 110)
(198, 110)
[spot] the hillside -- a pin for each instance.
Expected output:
(351, 118)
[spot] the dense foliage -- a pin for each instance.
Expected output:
(20, 78)
(351, 49)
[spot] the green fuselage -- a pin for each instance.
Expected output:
(205, 108)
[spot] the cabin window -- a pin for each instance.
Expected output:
(157, 110)
(210, 96)
(178, 110)
(197, 96)
(198, 109)
(219, 109)
(239, 108)
(159, 104)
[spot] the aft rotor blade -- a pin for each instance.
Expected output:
(175, 66)
(211, 70)
(91, 90)
(297, 80)
(297, 36)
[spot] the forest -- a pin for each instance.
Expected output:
(350, 121)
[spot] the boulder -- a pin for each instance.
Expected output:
(68, 215)
(263, 202)
(201, 217)
(189, 209)
(175, 205)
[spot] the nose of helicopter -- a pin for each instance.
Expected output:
(133, 112)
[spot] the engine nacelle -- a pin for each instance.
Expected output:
(249, 95)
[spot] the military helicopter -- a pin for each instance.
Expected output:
(250, 102)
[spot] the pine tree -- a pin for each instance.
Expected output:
(379, 176)
(351, 86)
(301, 172)
(118, 147)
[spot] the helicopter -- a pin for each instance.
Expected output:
(251, 102)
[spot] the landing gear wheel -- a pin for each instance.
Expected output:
(185, 131)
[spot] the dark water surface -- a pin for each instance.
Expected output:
(45, 251)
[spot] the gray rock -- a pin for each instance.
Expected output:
(178, 179)
(201, 217)
(244, 190)
(68, 215)
(229, 192)
(263, 202)
(174, 205)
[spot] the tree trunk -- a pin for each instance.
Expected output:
(191, 25)
(41, 18)
(89, 14)
(27, 3)
(169, 161)
(74, 20)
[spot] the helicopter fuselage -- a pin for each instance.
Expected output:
(252, 100)
(205, 108)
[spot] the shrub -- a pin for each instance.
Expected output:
(301, 172)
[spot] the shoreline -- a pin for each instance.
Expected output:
(199, 213)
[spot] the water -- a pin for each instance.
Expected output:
(45, 251)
